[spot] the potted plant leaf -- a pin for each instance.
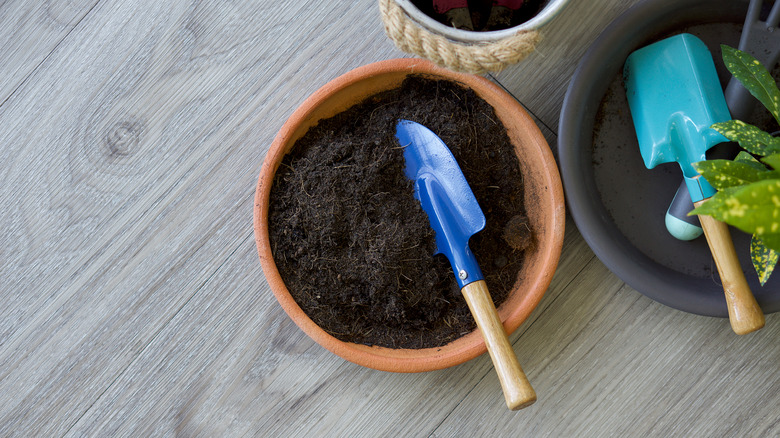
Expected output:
(749, 186)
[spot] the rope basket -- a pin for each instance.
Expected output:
(476, 58)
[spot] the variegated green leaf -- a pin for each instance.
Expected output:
(773, 160)
(753, 208)
(716, 205)
(753, 76)
(744, 157)
(723, 174)
(749, 137)
(771, 240)
(764, 259)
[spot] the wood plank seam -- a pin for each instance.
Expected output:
(43, 60)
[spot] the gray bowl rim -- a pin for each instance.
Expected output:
(634, 28)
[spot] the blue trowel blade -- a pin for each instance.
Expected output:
(444, 195)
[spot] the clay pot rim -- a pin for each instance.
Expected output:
(468, 346)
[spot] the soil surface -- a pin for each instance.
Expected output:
(355, 248)
(480, 12)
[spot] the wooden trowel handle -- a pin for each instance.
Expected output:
(517, 390)
(744, 313)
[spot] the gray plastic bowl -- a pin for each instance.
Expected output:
(619, 205)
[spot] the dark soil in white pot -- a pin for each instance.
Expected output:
(479, 12)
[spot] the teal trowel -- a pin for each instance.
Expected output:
(675, 96)
(455, 216)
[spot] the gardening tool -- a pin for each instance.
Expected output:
(455, 216)
(762, 40)
(674, 97)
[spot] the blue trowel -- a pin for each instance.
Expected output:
(455, 216)
(675, 96)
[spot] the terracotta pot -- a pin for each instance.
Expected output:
(543, 190)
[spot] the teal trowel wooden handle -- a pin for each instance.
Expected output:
(517, 390)
(675, 97)
(745, 314)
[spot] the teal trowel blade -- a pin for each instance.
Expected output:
(675, 96)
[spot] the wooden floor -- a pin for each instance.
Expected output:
(133, 303)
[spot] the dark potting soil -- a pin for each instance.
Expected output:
(480, 11)
(355, 248)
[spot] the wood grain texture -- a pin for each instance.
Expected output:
(745, 314)
(131, 137)
(30, 31)
(564, 40)
(518, 392)
(617, 364)
(128, 184)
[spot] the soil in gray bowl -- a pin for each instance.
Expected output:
(637, 198)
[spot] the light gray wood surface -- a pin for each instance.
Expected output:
(133, 303)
